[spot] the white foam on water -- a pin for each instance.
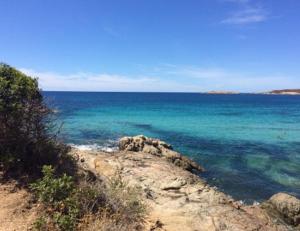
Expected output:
(95, 147)
(256, 203)
(241, 202)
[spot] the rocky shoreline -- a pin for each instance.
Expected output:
(180, 200)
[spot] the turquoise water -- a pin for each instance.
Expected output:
(249, 144)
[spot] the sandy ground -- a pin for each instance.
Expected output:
(15, 211)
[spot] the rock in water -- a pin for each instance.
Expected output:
(158, 148)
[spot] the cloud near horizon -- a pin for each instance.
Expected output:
(164, 79)
(104, 82)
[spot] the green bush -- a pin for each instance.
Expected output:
(25, 124)
(67, 203)
(58, 194)
(50, 189)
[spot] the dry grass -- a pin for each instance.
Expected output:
(108, 223)
(124, 209)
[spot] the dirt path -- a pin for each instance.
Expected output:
(15, 212)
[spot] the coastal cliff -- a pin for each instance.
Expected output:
(177, 198)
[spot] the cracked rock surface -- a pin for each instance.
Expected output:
(177, 198)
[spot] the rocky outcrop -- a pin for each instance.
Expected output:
(158, 148)
(284, 206)
(179, 200)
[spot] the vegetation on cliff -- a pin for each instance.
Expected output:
(29, 147)
(87, 205)
(25, 125)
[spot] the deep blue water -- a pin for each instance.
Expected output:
(249, 144)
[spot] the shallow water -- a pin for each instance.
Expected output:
(249, 144)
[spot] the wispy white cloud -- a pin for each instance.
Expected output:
(165, 78)
(105, 82)
(199, 73)
(247, 13)
(223, 79)
(250, 15)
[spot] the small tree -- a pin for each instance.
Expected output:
(25, 123)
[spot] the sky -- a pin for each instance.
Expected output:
(154, 45)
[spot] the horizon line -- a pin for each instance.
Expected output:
(183, 92)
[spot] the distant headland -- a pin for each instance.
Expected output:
(272, 92)
(285, 92)
(221, 92)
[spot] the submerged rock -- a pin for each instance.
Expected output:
(158, 148)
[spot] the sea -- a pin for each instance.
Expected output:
(249, 144)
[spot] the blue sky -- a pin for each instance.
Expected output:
(154, 45)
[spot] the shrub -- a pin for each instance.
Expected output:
(90, 204)
(57, 193)
(50, 189)
(65, 202)
(25, 124)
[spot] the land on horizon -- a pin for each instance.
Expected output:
(274, 92)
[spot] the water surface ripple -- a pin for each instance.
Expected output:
(249, 144)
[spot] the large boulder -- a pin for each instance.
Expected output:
(158, 148)
(285, 205)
